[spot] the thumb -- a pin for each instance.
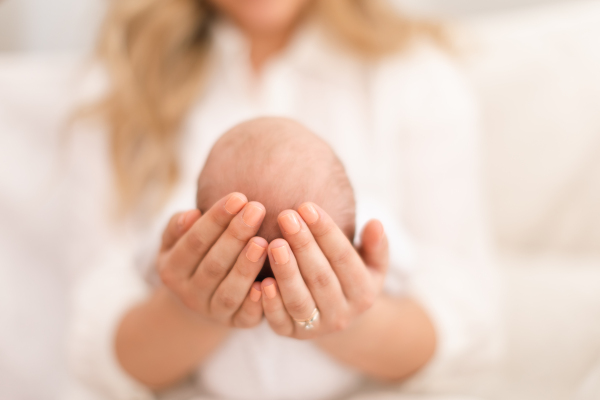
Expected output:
(177, 226)
(374, 247)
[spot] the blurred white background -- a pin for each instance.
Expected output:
(69, 25)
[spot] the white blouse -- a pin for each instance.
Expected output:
(405, 127)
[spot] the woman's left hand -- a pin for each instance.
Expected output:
(316, 267)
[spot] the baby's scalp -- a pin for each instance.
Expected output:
(281, 164)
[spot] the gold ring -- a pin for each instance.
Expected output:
(308, 323)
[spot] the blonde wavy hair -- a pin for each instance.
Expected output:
(155, 53)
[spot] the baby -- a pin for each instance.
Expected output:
(281, 164)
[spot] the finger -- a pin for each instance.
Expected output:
(251, 312)
(177, 226)
(223, 255)
(338, 250)
(274, 309)
(295, 294)
(195, 243)
(232, 291)
(374, 247)
(320, 278)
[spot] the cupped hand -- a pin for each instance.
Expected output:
(317, 267)
(210, 261)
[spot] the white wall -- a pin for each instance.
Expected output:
(70, 25)
(48, 25)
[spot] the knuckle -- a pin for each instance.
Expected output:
(195, 242)
(212, 269)
(188, 296)
(167, 277)
(342, 256)
(319, 280)
(244, 320)
(301, 245)
(191, 302)
(219, 219)
(297, 306)
(280, 327)
(245, 271)
(340, 324)
(225, 300)
(364, 303)
(323, 229)
(236, 233)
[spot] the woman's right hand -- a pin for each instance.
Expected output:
(210, 262)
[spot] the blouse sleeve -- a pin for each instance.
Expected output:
(101, 298)
(105, 278)
(440, 192)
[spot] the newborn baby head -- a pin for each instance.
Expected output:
(280, 164)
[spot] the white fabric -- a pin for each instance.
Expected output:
(406, 130)
(553, 329)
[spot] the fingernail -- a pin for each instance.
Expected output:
(255, 252)
(309, 213)
(255, 294)
(234, 204)
(270, 291)
(281, 255)
(252, 215)
(289, 223)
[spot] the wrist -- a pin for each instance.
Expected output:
(160, 341)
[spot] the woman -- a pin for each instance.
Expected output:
(376, 86)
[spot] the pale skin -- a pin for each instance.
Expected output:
(208, 264)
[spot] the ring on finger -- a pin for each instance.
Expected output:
(308, 323)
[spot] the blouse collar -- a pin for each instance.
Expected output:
(311, 50)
